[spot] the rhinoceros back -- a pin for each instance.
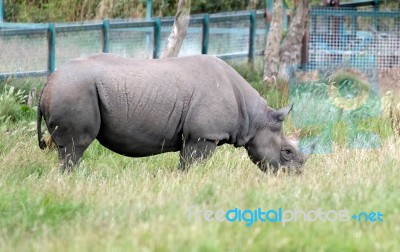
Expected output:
(149, 106)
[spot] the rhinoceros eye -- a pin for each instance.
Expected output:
(287, 153)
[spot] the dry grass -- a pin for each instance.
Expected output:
(116, 203)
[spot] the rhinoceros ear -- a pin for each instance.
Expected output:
(279, 115)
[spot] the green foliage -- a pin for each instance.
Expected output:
(48, 11)
(276, 97)
(76, 10)
(25, 84)
(23, 212)
(116, 203)
(289, 4)
(13, 99)
(12, 106)
(204, 6)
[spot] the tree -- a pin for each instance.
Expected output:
(278, 54)
(252, 4)
(290, 48)
(271, 53)
(179, 29)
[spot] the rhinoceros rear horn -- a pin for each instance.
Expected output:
(280, 114)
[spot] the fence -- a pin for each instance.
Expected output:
(345, 36)
(36, 49)
(355, 38)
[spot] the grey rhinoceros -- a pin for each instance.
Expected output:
(140, 108)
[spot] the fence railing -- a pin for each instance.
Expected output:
(355, 38)
(19, 42)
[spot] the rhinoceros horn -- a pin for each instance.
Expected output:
(279, 115)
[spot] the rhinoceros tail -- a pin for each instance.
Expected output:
(42, 143)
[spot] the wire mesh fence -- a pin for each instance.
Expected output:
(75, 44)
(349, 37)
(261, 31)
(132, 42)
(21, 52)
(192, 43)
(354, 38)
(30, 51)
(165, 31)
(230, 36)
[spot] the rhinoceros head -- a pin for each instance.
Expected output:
(270, 149)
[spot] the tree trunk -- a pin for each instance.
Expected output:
(252, 4)
(104, 9)
(291, 46)
(179, 29)
(271, 53)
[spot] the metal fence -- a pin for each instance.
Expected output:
(37, 49)
(354, 38)
(343, 36)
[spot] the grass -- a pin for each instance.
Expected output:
(115, 203)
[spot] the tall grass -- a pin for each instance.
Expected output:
(115, 203)
(13, 105)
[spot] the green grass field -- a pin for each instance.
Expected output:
(115, 203)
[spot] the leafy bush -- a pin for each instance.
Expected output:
(76, 10)
(12, 104)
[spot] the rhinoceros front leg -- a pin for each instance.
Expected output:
(195, 151)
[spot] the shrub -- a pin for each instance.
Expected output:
(12, 104)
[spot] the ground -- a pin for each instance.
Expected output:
(115, 203)
(389, 80)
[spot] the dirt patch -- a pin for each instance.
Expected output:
(389, 80)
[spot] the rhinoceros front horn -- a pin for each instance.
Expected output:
(279, 115)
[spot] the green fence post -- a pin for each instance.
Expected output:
(51, 42)
(157, 38)
(149, 14)
(252, 35)
(1, 10)
(149, 9)
(375, 18)
(206, 33)
(106, 35)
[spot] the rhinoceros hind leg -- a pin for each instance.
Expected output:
(69, 156)
(73, 141)
(195, 151)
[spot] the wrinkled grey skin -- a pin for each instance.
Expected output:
(140, 108)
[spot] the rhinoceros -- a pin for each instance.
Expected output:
(140, 108)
